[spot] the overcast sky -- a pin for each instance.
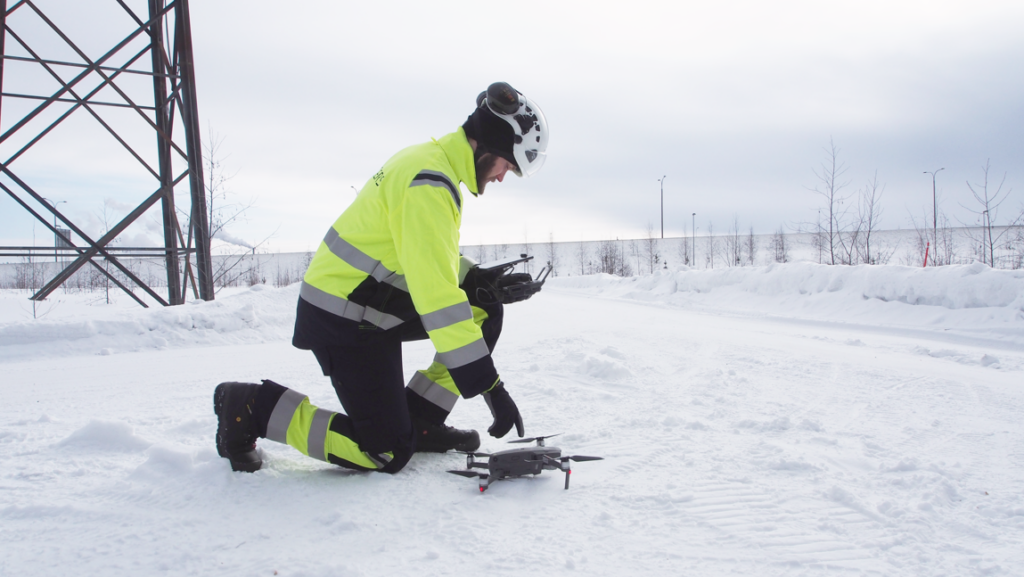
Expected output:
(734, 102)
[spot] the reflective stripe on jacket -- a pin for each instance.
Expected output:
(393, 255)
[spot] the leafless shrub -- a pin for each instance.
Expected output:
(830, 186)
(651, 252)
(552, 254)
(779, 246)
(989, 236)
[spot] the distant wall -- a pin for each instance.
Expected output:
(627, 257)
(623, 257)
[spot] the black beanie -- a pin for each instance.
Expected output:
(491, 133)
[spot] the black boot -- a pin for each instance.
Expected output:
(236, 427)
(431, 438)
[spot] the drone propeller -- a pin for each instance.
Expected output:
(581, 458)
(475, 454)
(540, 440)
(469, 474)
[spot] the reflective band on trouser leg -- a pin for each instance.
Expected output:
(316, 439)
(281, 417)
(291, 421)
(436, 386)
(296, 422)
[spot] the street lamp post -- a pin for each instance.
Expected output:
(662, 181)
(935, 213)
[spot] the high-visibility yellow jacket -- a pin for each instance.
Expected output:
(393, 256)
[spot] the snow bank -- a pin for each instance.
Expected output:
(969, 297)
(962, 297)
(255, 315)
(105, 435)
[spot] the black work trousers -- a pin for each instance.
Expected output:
(364, 364)
(366, 372)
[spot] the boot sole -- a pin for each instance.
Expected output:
(218, 406)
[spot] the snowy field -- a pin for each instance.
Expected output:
(785, 420)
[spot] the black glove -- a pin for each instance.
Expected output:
(481, 287)
(504, 411)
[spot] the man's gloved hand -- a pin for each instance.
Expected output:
(504, 411)
(481, 287)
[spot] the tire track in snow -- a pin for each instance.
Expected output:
(785, 532)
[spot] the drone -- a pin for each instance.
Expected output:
(519, 462)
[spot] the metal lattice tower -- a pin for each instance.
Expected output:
(139, 88)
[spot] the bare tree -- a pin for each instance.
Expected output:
(608, 257)
(830, 188)
(623, 269)
(684, 248)
(870, 215)
(552, 254)
(849, 240)
(222, 210)
(779, 246)
(989, 203)
(945, 245)
(528, 265)
(583, 255)
(751, 247)
(1017, 256)
(709, 257)
(98, 278)
(651, 248)
(915, 254)
(733, 244)
(943, 252)
(500, 251)
(819, 239)
(29, 274)
(634, 251)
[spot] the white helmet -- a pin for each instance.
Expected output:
(529, 127)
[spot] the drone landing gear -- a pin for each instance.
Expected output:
(485, 479)
(562, 463)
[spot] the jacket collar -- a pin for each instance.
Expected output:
(460, 156)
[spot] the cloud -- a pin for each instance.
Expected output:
(732, 100)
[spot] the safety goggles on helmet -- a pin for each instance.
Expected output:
(530, 128)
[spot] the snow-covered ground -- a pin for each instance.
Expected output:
(784, 420)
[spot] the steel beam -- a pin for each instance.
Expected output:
(171, 67)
